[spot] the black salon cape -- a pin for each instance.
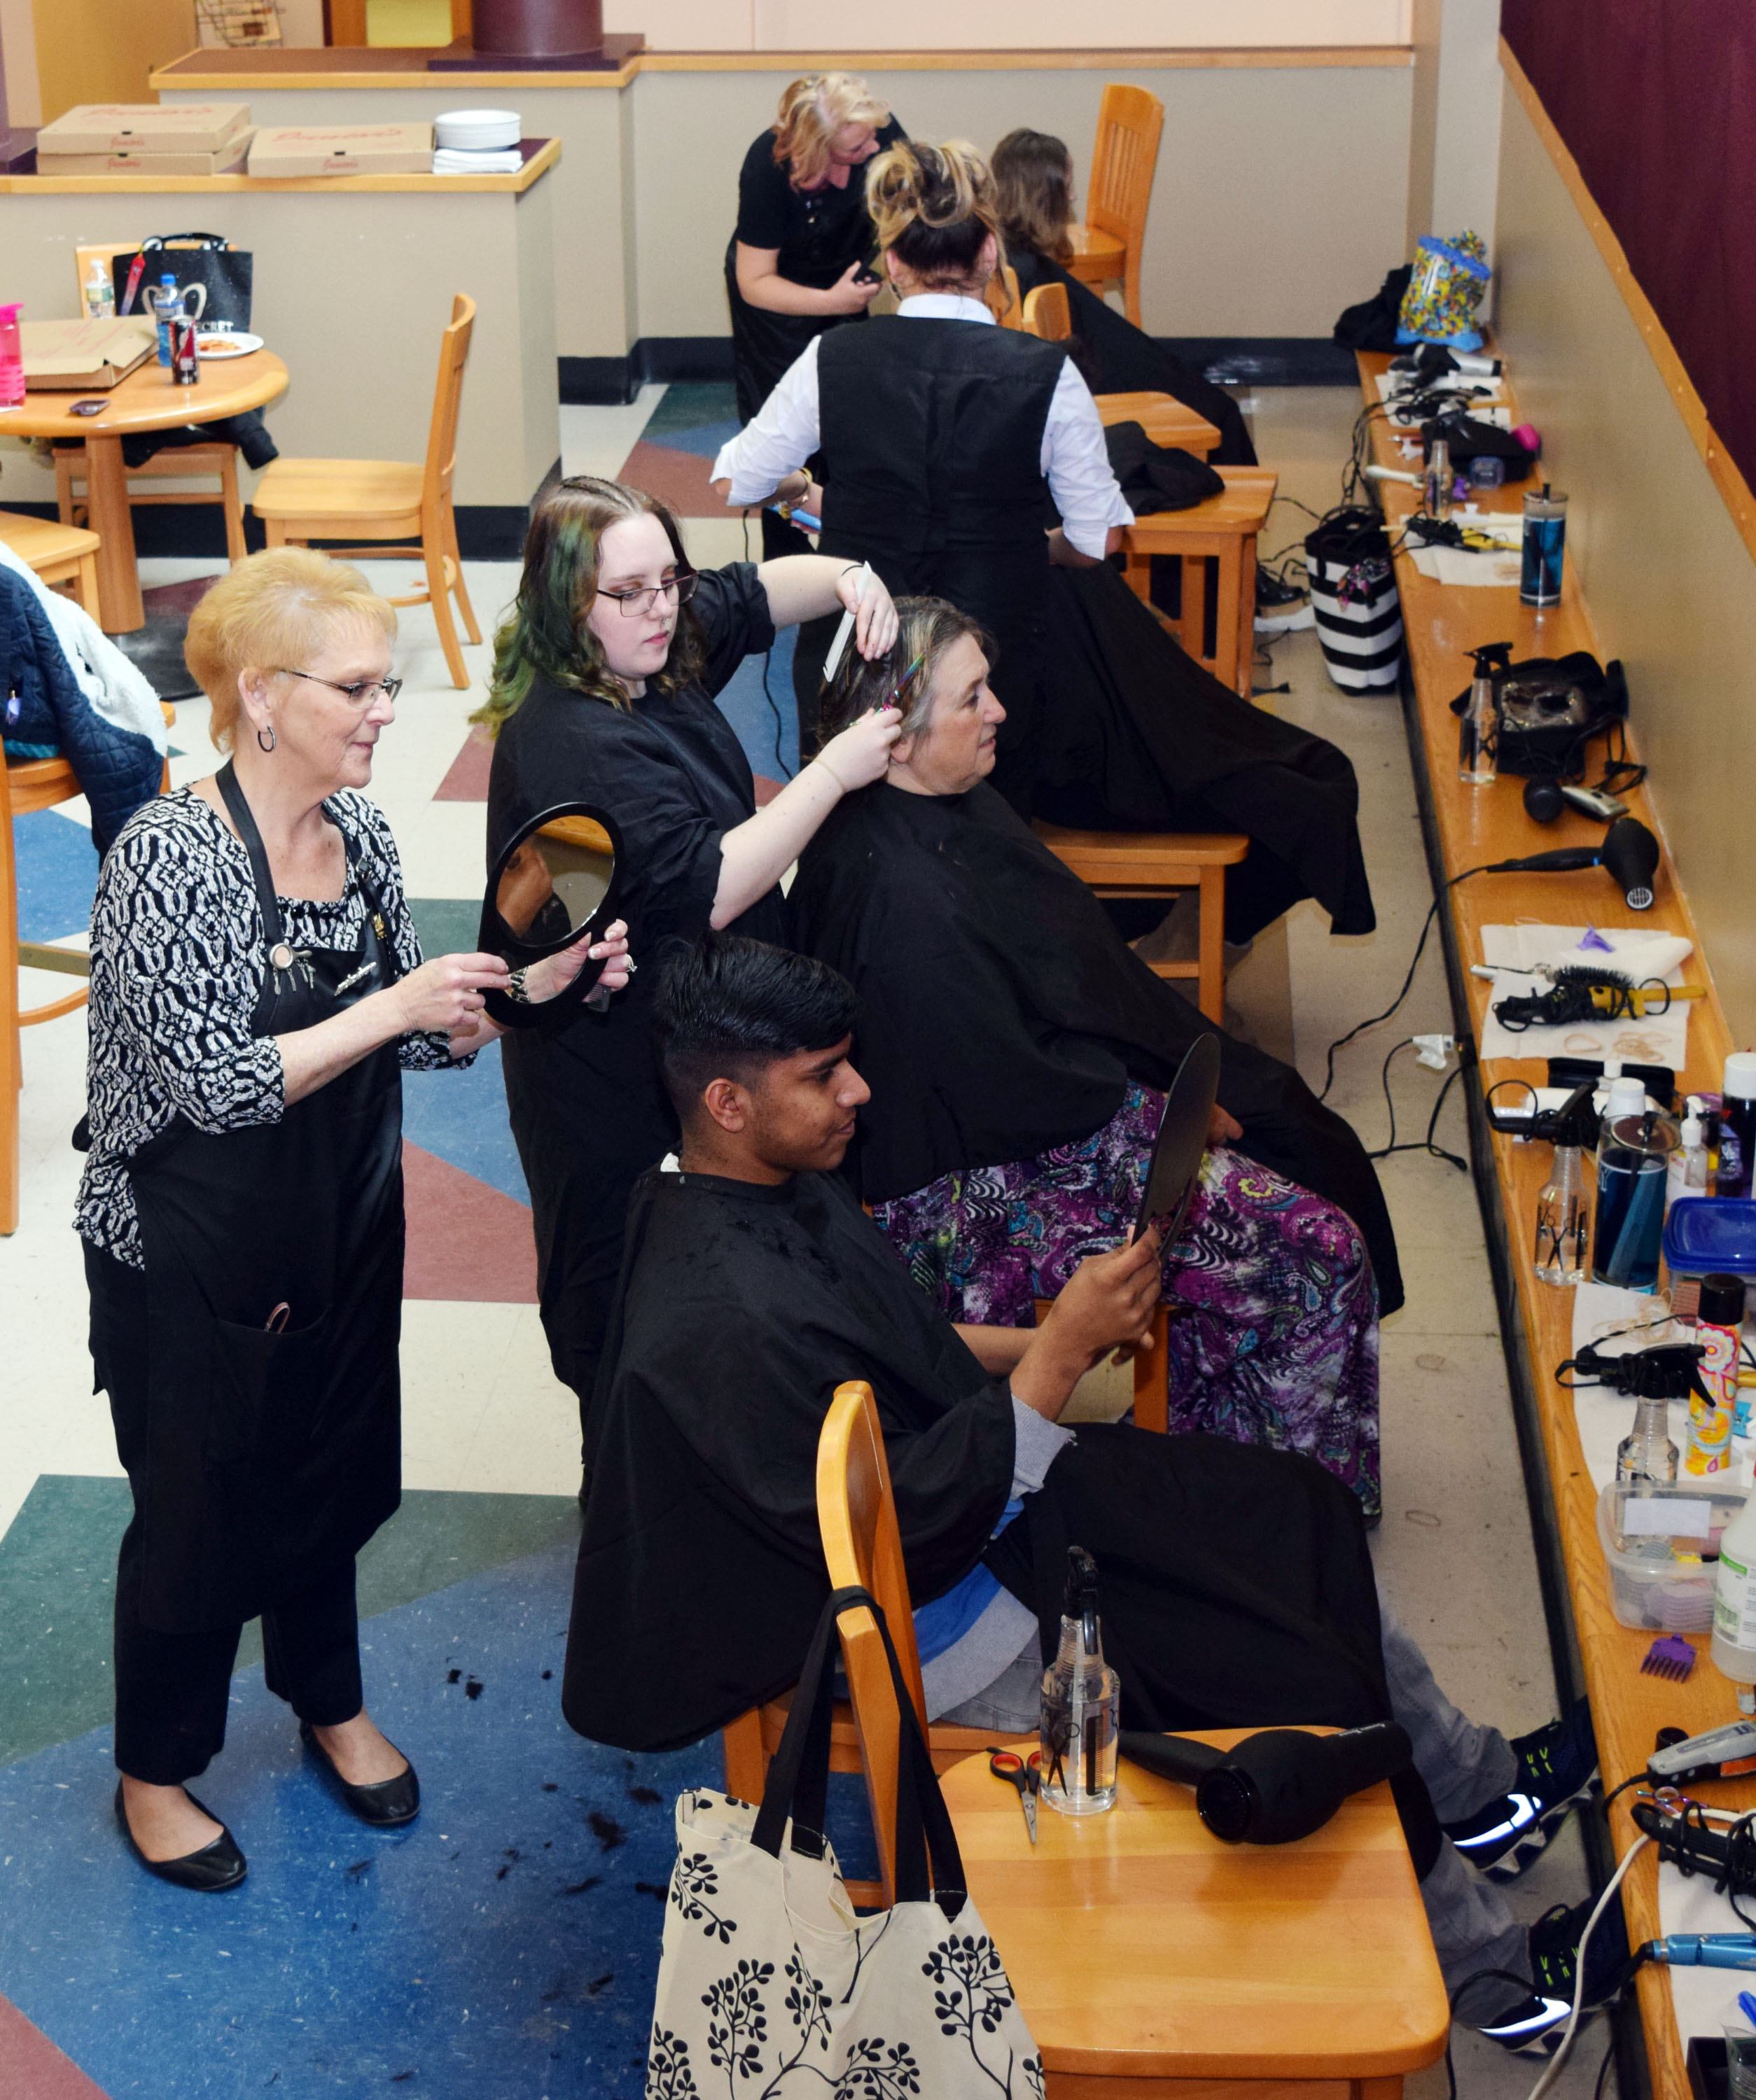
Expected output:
(1118, 357)
(1237, 1586)
(1135, 736)
(589, 1112)
(1001, 1013)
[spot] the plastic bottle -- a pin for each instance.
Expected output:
(11, 359)
(164, 304)
(1563, 1220)
(100, 294)
(1081, 1703)
(1635, 1145)
(1478, 733)
(1545, 548)
(1646, 1453)
(1685, 1173)
(1733, 1647)
(1436, 496)
(1737, 1125)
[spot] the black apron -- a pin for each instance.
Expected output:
(274, 1261)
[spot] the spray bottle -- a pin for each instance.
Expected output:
(1479, 735)
(1563, 1209)
(1081, 1703)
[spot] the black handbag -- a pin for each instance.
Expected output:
(194, 258)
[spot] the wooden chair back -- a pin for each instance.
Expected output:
(1002, 299)
(1130, 121)
(448, 400)
(1149, 1368)
(856, 1514)
(1047, 314)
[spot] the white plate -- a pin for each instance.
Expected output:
(233, 344)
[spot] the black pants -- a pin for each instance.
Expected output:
(172, 1688)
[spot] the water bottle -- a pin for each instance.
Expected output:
(1081, 1703)
(167, 303)
(1544, 549)
(1634, 1145)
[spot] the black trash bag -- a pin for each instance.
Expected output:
(1372, 324)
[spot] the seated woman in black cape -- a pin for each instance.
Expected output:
(1016, 1050)
(1033, 172)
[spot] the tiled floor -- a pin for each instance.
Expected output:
(505, 1946)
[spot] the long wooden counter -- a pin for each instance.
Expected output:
(1466, 826)
(546, 154)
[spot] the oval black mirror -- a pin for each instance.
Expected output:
(552, 884)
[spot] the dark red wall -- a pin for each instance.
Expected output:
(1657, 102)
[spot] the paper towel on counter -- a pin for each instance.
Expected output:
(1662, 1039)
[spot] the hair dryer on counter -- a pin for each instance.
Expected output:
(1278, 1784)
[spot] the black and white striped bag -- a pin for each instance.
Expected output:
(1353, 594)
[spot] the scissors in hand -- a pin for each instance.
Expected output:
(1026, 1777)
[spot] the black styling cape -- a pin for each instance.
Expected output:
(1237, 1584)
(1135, 736)
(1001, 1013)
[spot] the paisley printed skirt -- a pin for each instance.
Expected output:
(1279, 1346)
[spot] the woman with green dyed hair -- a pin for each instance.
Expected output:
(605, 673)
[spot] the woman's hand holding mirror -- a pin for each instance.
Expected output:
(445, 996)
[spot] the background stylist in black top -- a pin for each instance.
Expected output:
(800, 260)
(604, 678)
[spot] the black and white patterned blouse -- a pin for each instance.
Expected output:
(178, 959)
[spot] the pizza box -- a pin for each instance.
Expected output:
(143, 127)
(81, 355)
(226, 160)
(342, 149)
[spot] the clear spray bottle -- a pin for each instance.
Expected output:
(1081, 1703)
(1479, 735)
(1563, 1208)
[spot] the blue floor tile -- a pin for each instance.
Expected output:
(57, 875)
(764, 720)
(461, 1117)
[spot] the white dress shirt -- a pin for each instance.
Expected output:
(786, 430)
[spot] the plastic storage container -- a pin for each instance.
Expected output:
(1705, 1235)
(1662, 1580)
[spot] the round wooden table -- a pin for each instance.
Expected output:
(145, 400)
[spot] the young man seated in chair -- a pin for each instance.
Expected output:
(1238, 1590)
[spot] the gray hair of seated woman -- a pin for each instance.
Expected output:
(926, 628)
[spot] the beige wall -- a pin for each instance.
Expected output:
(792, 25)
(18, 43)
(363, 358)
(1670, 584)
(102, 50)
(1454, 134)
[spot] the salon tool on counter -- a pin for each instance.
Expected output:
(1280, 1784)
(1703, 1756)
(1669, 1655)
(1479, 736)
(1008, 1766)
(1082, 1700)
(1563, 1212)
(1703, 1950)
(1432, 361)
(1578, 993)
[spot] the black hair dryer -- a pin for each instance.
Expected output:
(1277, 1784)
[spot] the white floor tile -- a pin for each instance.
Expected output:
(596, 440)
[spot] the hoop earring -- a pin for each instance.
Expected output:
(266, 739)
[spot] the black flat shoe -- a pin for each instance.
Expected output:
(390, 1801)
(220, 1865)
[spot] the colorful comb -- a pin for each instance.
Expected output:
(1670, 1656)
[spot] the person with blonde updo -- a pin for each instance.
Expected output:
(948, 443)
(800, 262)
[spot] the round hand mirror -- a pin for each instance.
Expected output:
(552, 891)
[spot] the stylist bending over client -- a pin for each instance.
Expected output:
(256, 984)
(604, 679)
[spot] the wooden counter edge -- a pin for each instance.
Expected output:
(201, 73)
(538, 165)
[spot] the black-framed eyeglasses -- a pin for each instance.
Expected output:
(362, 696)
(635, 604)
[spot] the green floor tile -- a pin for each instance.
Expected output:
(688, 407)
(446, 925)
(58, 1578)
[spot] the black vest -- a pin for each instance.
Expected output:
(932, 435)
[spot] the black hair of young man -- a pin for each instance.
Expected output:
(728, 1007)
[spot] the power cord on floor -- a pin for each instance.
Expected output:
(773, 709)
(1427, 1143)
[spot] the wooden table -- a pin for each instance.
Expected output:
(1165, 420)
(1474, 825)
(1142, 1949)
(1223, 529)
(145, 400)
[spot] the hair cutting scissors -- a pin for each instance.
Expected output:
(1025, 1775)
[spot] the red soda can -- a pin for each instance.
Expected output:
(185, 365)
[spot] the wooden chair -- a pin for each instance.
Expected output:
(1223, 529)
(1046, 313)
(1110, 1927)
(64, 556)
(1165, 419)
(181, 463)
(1001, 297)
(1157, 864)
(857, 1515)
(37, 783)
(301, 500)
(1107, 249)
(1150, 1370)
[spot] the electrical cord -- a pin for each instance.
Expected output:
(780, 726)
(1560, 2056)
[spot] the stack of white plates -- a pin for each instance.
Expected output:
(476, 130)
